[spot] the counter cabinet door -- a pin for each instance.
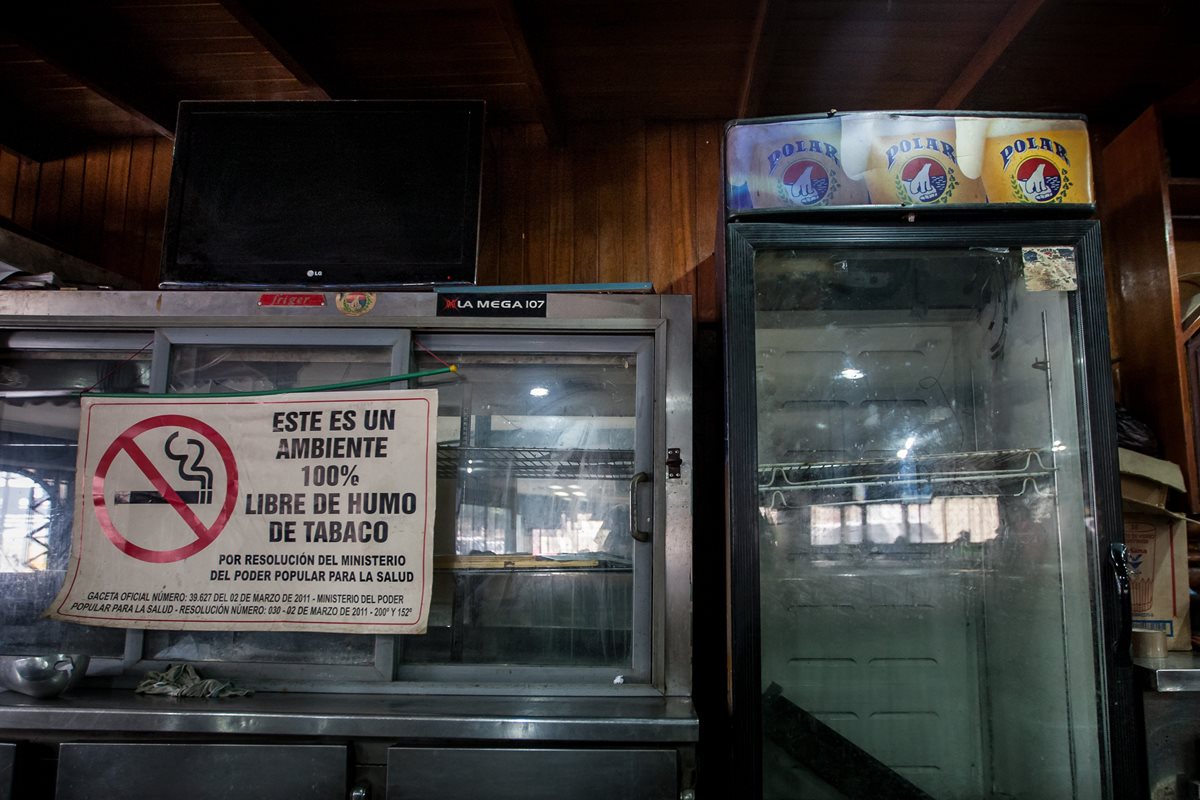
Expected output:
(453, 773)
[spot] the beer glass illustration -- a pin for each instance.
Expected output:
(790, 164)
(1037, 161)
(913, 160)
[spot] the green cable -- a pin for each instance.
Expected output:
(328, 387)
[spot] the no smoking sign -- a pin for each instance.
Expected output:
(255, 514)
(165, 488)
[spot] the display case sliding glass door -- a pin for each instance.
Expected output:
(211, 361)
(537, 576)
(545, 568)
(923, 499)
(41, 375)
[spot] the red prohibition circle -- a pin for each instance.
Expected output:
(205, 534)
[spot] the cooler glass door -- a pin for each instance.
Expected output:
(924, 523)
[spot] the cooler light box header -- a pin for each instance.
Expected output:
(351, 193)
(906, 159)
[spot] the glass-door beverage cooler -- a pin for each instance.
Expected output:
(926, 560)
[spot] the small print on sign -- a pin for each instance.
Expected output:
(257, 514)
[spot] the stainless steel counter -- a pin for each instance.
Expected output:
(1178, 672)
(468, 718)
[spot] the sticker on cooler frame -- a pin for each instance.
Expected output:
(1049, 269)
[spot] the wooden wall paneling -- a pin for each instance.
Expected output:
(515, 156)
(626, 201)
(27, 193)
(95, 184)
(585, 179)
(492, 212)
(635, 223)
(10, 168)
(708, 212)
(114, 247)
(659, 188)
(562, 217)
(46, 214)
(536, 190)
(683, 205)
(156, 212)
(70, 207)
(137, 203)
(1153, 363)
(610, 204)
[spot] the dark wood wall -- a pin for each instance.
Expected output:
(105, 205)
(623, 201)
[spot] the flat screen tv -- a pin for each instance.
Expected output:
(341, 193)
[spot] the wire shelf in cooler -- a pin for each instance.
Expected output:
(914, 477)
(536, 462)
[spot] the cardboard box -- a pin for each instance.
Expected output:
(1157, 553)
(1148, 480)
(1156, 540)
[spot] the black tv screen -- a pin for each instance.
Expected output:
(353, 193)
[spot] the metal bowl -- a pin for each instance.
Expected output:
(43, 676)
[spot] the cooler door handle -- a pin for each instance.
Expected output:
(634, 516)
(1124, 635)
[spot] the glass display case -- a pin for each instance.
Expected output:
(561, 543)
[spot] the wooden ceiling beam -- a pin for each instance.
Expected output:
(767, 23)
(546, 112)
(1002, 36)
(82, 47)
(254, 26)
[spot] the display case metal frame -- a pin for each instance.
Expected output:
(448, 709)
